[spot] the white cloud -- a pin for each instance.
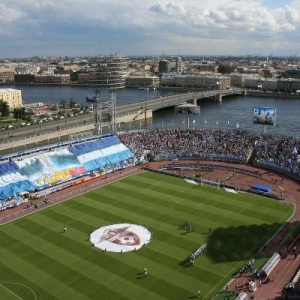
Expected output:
(151, 23)
(291, 15)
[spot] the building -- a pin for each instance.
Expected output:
(6, 74)
(288, 84)
(84, 78)
(197, 81)
(12, 97)
(142, 81)
(24, 78)
(253, 82)
(62, 78)
(27, 69)
(237, 80)
(107, 71)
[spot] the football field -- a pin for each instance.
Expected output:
(39, 261)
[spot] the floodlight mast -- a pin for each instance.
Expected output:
(112, 106)
(98, 113)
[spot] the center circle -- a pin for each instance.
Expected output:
(121, 237)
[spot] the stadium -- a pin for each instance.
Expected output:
(159, 214)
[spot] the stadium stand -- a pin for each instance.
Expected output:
(37, 169)
(268, 151)
(44, 169)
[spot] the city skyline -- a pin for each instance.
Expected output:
(87, 28)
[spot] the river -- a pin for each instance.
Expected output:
(226, 114)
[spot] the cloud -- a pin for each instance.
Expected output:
(147, 26)
(291, 15)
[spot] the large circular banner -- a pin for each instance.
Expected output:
(120, 237)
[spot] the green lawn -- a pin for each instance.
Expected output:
(39, 261)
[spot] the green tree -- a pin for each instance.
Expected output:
(19, 113)
(63, 103)
(74, 76)
(267, 74)
(5, 110)
(73, 103)
(225, 69)
(1, 105)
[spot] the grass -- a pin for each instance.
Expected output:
(292, 234)
(39, 261)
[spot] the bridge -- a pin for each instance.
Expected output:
(174, 100)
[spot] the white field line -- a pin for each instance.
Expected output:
(10, 291)
(26, 286)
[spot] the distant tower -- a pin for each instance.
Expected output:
(110, 71)
(178, 66)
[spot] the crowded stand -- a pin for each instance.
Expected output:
(279, 153)
(168, 144)
(40, 170)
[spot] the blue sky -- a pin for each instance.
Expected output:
(152, 27)
(276, 3)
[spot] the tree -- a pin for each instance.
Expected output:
(16, 113)
(63, 103)
(19, 113)
(5, 109)
(225, 69)
(73, 103)
(74, 76)
(267, 74)
(1, 105)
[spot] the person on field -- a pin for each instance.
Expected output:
(145, 273)
(65, 229)
(198, 292)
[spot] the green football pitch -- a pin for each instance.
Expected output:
(39, 261)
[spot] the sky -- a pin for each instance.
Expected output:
(149, 27)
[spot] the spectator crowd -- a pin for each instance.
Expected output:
(234, 145)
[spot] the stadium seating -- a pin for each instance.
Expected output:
(45, 169)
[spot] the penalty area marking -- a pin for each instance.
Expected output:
(19, 283)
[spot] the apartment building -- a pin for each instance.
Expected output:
(142, 81)
(13, 97)
(197, 81)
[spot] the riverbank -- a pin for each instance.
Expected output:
(270, 94)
